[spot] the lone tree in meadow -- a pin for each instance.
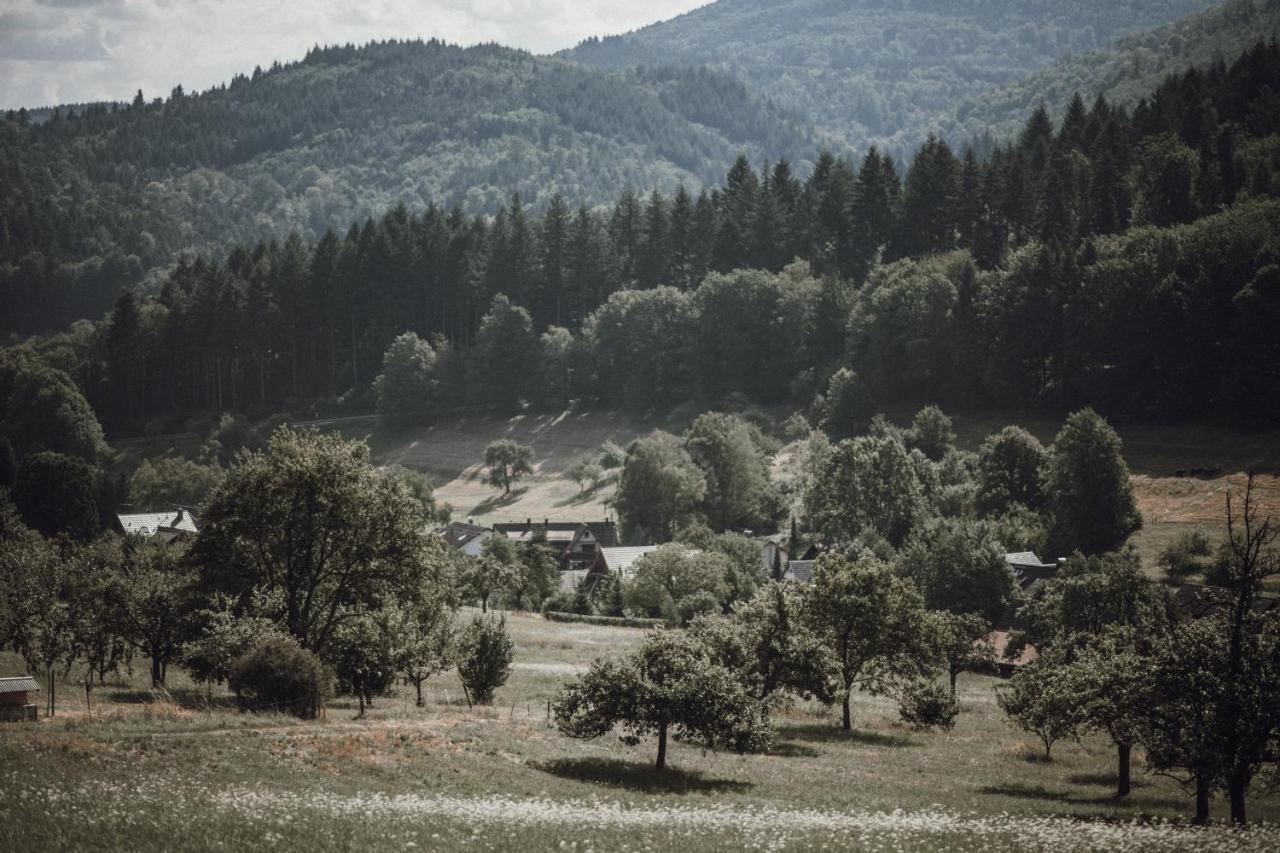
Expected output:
(484, 656)
(668, 685)
(507, 462)
(873, 622)
(1041, 699)
(962, 640)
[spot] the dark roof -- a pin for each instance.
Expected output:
(459, 533)
(1028, 569)
(20, 684)
(604, 532)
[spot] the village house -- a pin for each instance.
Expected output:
(466, 537)
(168, 526)
(15, 704)
(577, 543)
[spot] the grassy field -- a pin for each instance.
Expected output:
(152, 771)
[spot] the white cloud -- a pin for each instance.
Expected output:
(61, 51)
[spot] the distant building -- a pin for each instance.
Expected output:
(577, 543)
(1004, 666)
(168, 526)
(15, 701)
(773, 557)
(1028, 569)
(799, 570)
(620, 560)
(466, 537)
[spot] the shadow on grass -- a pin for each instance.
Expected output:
(1025, 792)
(791, 749)
(1038, 792)
(498, 501)
(834, 734)
(189, 698)
(637, 777)
(1108, 780)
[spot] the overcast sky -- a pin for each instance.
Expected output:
(63, 51)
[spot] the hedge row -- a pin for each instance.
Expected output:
(616, 621)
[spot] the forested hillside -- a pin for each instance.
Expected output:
(90, 202)
(1129, 260)
(883, 72)
(1123, 72)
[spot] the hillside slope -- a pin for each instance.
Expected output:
(869, 71)
(1124, 72)
(350, 132)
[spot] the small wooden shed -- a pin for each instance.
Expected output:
(14, 698)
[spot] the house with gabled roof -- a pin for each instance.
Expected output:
(577, 543)
(466, 537)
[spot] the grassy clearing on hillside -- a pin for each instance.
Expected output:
(147, 774)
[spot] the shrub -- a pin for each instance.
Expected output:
(484, 658)
(928, 704)
(697, 604)
(279, 675)
(1182, 558)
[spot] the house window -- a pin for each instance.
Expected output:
(588, 548)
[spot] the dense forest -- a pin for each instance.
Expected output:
(1128, 260)
(882, 72)
(96, 197)
(1124, 72)
(93, 198)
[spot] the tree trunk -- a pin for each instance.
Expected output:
(1202, 801)
(1237, 786)
(847, 723)
(157, 674)
(662, 747)
(360, 696)
(52, 698)
(1122, 786)
(417, 684)
(954, 673)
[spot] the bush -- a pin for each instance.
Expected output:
(1183, 557)
(484, 658)
(697, 604)
(615, 621)
(279, 675)
(927, 705)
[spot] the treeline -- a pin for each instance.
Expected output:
(1083, 263)
(93, 198)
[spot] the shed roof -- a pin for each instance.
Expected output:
(20, 684)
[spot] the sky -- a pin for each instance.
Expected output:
(67, 51)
